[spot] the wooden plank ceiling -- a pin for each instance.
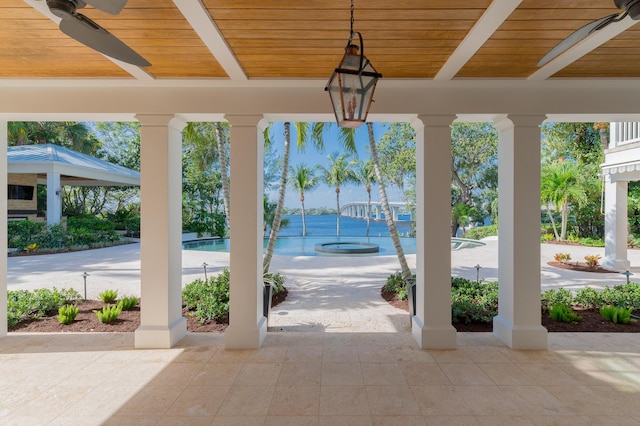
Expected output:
(305, 39)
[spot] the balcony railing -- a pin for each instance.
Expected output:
(624, 133)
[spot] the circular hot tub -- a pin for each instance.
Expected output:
(347, 247)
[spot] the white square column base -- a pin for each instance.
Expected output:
(444, 337)
(159, 337)
(245, 338)
(533, 337)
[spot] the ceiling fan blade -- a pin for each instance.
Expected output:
(94, 36)
(110, 6)
(576, 37)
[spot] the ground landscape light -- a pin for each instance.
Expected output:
(352, 84)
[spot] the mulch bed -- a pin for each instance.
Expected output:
(592, 321)
(579, 266)
(128, 321)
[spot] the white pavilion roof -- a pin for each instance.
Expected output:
(75, 168)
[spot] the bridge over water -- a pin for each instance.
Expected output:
(358, 209)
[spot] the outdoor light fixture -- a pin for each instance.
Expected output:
(85, 275)
(204, 265)
(352, 84)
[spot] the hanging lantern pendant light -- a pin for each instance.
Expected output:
(352, 84)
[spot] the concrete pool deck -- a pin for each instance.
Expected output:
(335, 292)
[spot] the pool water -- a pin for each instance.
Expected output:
(305, 246)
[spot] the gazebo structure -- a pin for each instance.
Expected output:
(251, 63)
(57, 166)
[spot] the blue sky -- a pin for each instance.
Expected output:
(323, 195)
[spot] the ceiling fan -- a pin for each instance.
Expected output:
(629, 7)
(87, 32)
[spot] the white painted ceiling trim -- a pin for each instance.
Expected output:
(489, 22)
(201, 22)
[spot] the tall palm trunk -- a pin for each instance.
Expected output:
(304, 220)
(368, 208)
(275, 227)
(222, 159)
(393, 231)
(338, 209)
(553, 222)
(565, 219)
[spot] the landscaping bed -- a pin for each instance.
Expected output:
(592, 322)
(128, 321)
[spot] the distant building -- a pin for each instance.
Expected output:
(56, 167)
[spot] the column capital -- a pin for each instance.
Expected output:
(509, 121)
(434, 120)
(244, 120)
(161, 120)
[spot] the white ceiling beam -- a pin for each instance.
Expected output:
(587, 45)
(489, 22)
(200, 20)
(137, 72)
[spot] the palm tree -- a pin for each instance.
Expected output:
(561, 185)
(365, 174)
(302, 130)
(339, 172)
(303, 180)
(393, 231)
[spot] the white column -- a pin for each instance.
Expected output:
(3, 225)
(518, 322)
(247, 324)
(161, 322)
(615, 225)
(431, 326)
(54, 202)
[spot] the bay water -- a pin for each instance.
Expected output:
(325, 225)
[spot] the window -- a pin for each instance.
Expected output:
(20, 192)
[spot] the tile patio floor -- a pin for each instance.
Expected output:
(318, 378)
(344, 357)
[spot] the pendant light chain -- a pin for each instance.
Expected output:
(351, 17)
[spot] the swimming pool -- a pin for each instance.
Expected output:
(305, 246)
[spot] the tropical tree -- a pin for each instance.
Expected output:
(302, 133)
(303, 180)
(365, 174)
(561, 185)
(337, 173)
(200, 137)
(268, 213)
(474, 170)
(393, 231)
(584, 144)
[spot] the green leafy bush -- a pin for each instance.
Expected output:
(564, 313)
(556, 297)
(473, 301)
(79, 232)
(616, 315)
(591, 242)
(108, 314)
(25, 304)
(209, 300)
(276, 280)
(67, 314)
(108, 296)
(396, 284)
(128, 303)
(482, 232)
(588, 298)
